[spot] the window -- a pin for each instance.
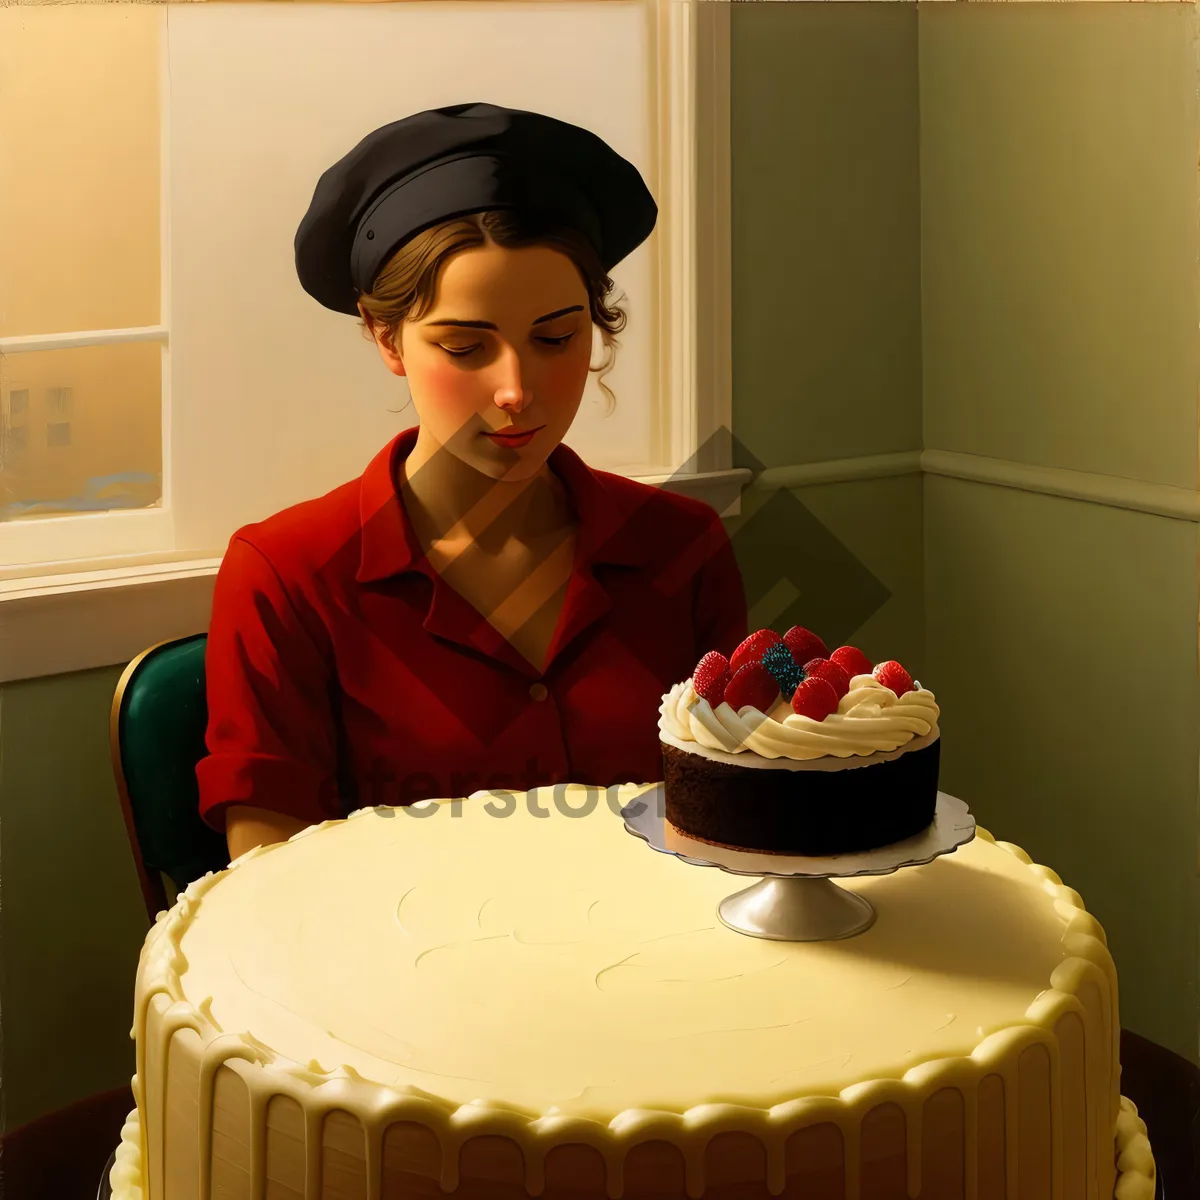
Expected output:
(163, 377)
(81, 358)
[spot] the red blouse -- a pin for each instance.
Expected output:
(344, 672)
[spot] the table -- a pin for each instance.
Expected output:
(60, 1156)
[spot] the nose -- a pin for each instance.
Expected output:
(511, 395)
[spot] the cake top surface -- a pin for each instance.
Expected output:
(556, 964)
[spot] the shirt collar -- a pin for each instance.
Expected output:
(604, 503)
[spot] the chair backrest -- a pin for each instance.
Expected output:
(159, 716)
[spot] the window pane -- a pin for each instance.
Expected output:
(80, 430)
(79, 161)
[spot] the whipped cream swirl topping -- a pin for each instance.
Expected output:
(870, 719)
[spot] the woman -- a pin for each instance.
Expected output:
(480, 610)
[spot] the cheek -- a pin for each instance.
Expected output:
(442, 381)
(566, 373)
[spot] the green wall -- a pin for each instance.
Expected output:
(1059, 319)
(71, 914)
(969, 229)
(826, 278)
(1046, 155)
(826, 230)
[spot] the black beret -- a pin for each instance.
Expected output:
(449, 162)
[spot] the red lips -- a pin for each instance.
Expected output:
(510, 436)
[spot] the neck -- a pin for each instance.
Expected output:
(451, 503)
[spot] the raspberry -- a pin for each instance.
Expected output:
(892, 675)
(711, 677)
(815, 698)
(752, 685)
(751, 650)
(804, 646)
(833, 673)
(852, 660)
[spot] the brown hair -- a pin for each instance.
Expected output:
(406, 285)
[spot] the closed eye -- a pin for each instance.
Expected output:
(463, 351)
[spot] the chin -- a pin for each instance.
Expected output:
(512, 465)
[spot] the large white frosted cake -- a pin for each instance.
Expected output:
(407, 1002)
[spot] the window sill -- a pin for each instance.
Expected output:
(79, 616)
(55, 624)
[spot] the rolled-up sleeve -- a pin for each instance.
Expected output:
(719, 615)
(271, 734)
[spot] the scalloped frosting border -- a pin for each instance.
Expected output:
(1135, 1162)
(319, 1090)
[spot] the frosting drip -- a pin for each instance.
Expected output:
(1135, 1162)
(870, 719)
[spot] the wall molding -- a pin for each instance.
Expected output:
(694, 268)
(1112, 491)
(99, 618)
(841, 470)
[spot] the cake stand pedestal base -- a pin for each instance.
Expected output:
(795, 899)
(796, 909)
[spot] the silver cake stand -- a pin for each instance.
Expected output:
(795, 899)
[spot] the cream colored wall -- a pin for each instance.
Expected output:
(79, 238)
(1059, 256)
(260, 372)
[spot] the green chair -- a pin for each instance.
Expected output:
(156, 734)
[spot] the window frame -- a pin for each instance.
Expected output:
(138, 587)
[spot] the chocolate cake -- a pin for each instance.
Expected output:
(787, 749)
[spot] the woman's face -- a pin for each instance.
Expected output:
(505, 347)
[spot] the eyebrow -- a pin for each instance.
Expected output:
(562, 312)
